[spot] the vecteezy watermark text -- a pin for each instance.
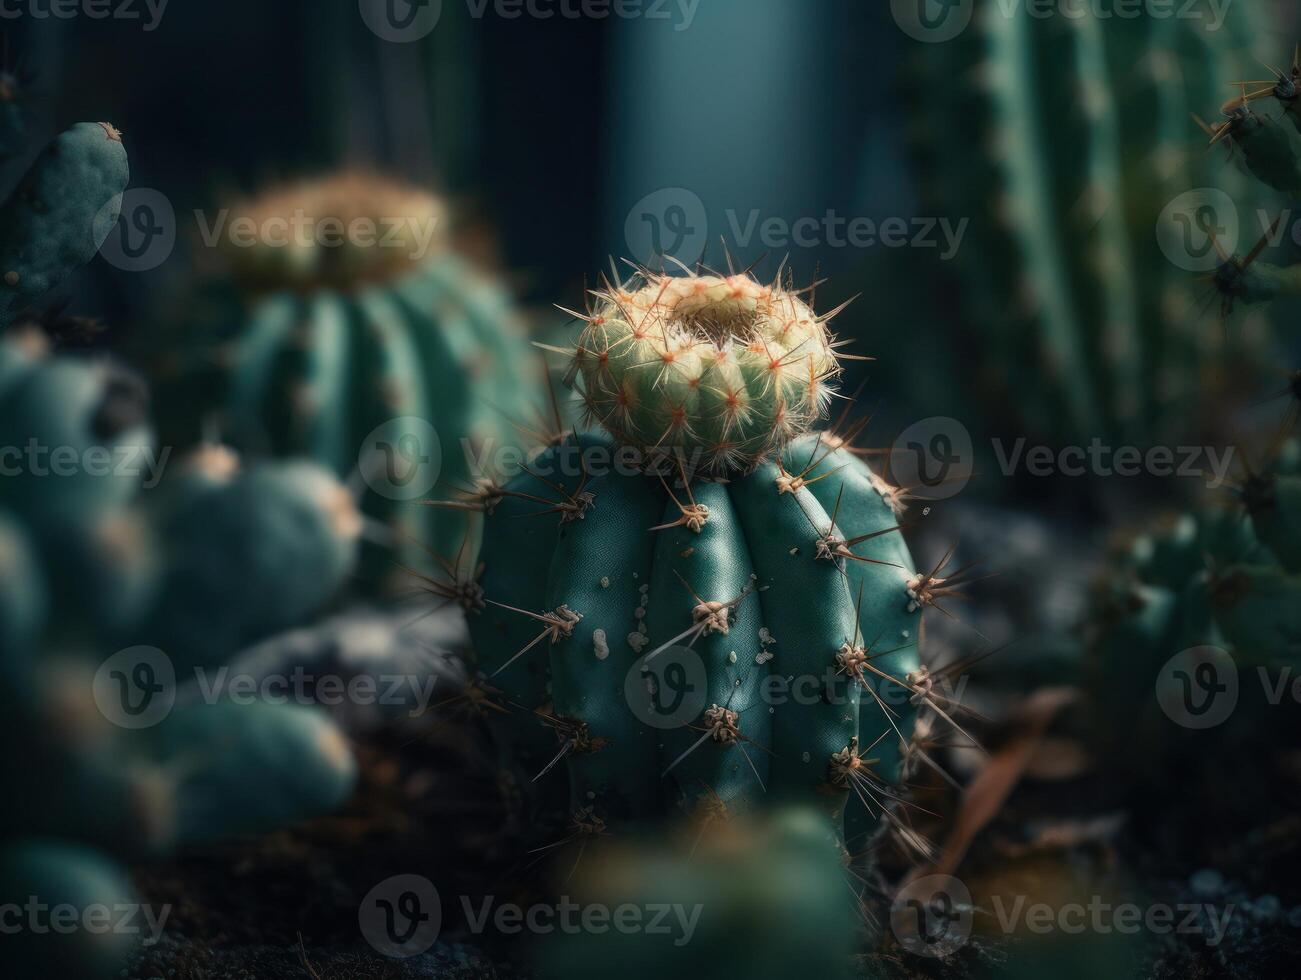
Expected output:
(39, 460)
(1099, 459)
(151, 11)
(39, 918)
(304, 230)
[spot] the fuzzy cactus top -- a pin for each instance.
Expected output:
(342, 231)
(724, 369)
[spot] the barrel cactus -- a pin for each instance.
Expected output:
(343, 309)
(1062, 139)
(711, 607)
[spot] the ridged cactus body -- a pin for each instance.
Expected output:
(1062, 139)
(774, 556)
(60, 213)
(324, 343)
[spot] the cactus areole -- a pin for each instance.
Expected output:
(734, 629)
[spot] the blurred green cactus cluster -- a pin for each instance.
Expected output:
(345, 336)
(1062, 139)
(121, 755)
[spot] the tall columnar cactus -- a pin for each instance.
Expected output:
(60, 213)
(349, 310)
(1062, 139)
(711, 519)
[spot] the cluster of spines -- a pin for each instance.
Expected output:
(722, 368)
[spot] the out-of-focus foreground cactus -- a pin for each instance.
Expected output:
(345, 309)
(1062, 139)
(125, 752)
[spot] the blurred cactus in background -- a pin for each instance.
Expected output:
(1062, 139)
(90, 564)
(310, 346)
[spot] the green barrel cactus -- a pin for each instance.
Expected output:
(1061, 139)
(711, 529)
(59, 215)
(324, 339)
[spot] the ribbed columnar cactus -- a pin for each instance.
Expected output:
(350, 310)
(713, 530)
(1062, 138)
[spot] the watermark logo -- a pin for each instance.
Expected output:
(667, 688)
(136, 687)
(932, 21)
(669, 223)
(149, 11)
(1198, 687)
(931, 915)
(144, 236)
(1190, 226)
(401, 21)
(401, 459)
(401, 916)
(932, 458)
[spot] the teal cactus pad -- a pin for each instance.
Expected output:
(60, 214)
(246, 554)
